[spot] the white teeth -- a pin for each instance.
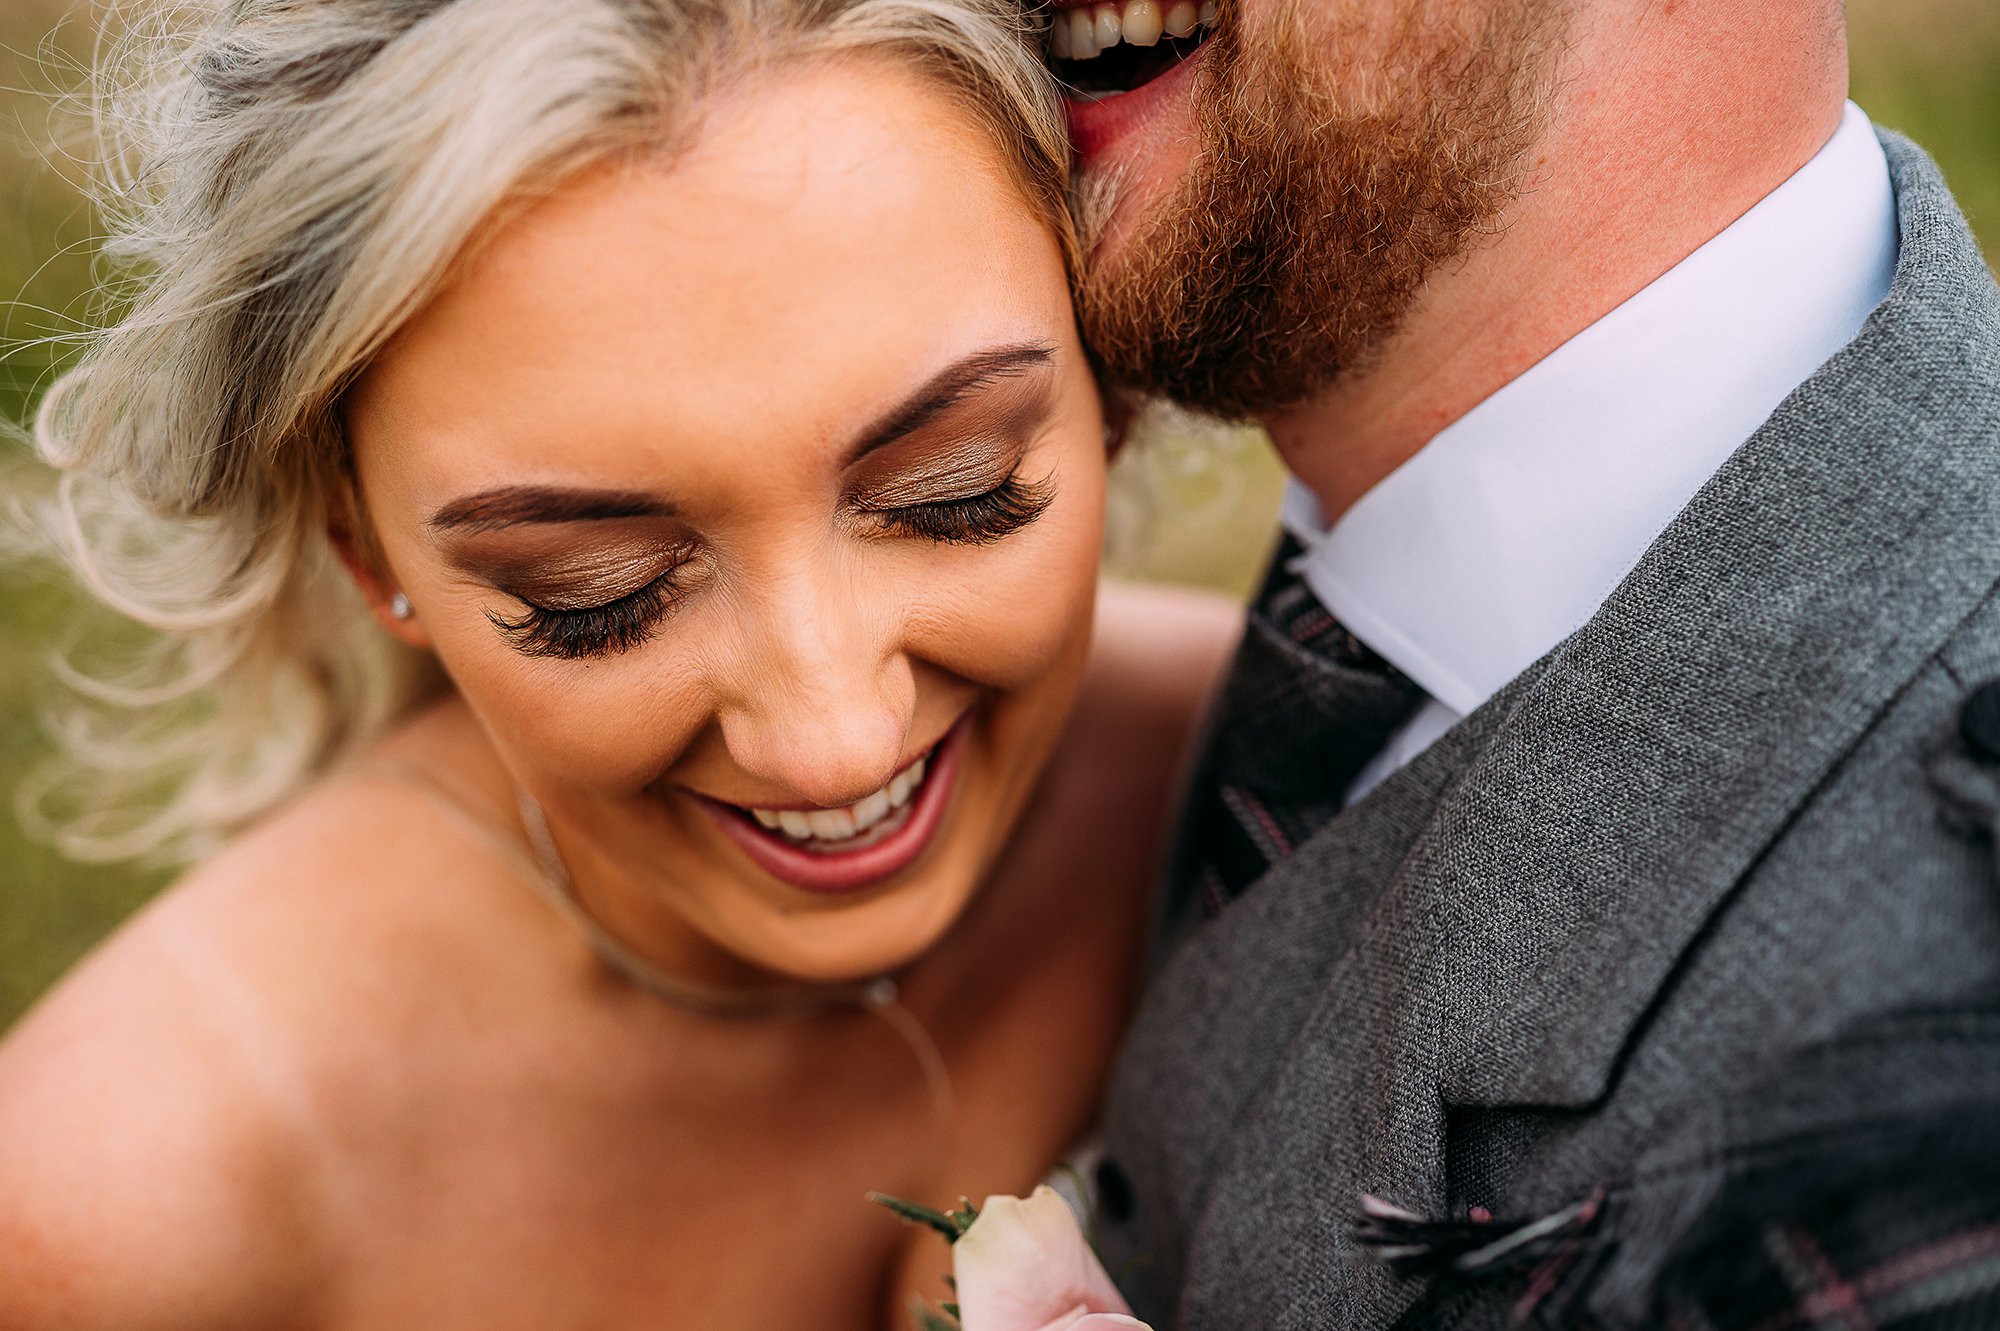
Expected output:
(1087, 31)
(831, 824)
(855, 820)
(1143, 23)
(1110, 27)
(906, 782)
(871, 810)
(1083, 43)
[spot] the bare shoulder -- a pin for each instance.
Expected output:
(170, 1114)
(1157, 657)
(1155, 660)
(1106, 803)
(151, 1177)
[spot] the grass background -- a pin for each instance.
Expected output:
(1197, 509)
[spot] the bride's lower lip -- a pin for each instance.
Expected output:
(836, 872)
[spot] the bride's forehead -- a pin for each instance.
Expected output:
(829, 240)
(857, 147)
(842, 202)
(847, 179)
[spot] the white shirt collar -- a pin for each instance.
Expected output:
(1505, 533)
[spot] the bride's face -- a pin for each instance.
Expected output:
(753, 502)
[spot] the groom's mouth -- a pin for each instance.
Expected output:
(1117, 59)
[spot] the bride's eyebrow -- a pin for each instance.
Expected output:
(949, 387)
(512, 505)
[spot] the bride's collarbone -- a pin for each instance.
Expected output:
(728, 1197)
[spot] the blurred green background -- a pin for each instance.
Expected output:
(1928, 67)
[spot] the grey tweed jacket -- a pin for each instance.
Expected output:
(1712, 828)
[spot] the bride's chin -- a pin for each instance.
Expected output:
(866, 939)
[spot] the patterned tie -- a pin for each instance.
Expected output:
(1305, 709)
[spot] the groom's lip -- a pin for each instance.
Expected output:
(1096, 126)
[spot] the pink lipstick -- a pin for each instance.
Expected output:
(855, 862)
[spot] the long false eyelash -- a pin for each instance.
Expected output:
(978, 520)
(571, 635)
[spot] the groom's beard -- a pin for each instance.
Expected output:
(1321, 197)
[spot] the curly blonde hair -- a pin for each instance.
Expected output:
(292, 180)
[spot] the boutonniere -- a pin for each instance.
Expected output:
(1018, 1265)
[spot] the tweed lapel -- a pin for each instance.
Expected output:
(1234, 1008)
(1668, 741)
(1311, 1012)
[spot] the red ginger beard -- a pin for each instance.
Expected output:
(1322, 197)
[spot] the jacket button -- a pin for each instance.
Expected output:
(1114, 1191)
(1979, 720)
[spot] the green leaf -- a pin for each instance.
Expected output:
(944, 1223)
(932, 1319)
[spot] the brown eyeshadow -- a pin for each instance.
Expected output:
(573, 566)
(965, 450)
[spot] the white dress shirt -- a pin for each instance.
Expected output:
(1506, 532)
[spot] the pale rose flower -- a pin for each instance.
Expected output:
(1024, 1266)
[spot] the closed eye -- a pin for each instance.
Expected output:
(601, 630)
(979, 519)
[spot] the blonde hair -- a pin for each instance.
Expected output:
(294, 180)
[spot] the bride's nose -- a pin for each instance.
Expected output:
(824, 700)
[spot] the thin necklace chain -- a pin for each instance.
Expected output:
(880, 996)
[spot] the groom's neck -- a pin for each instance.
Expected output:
(1673, 120)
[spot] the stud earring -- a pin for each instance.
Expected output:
(399, 606)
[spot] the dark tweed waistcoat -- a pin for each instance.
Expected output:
(1559, 957)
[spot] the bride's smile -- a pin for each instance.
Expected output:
(855, 846)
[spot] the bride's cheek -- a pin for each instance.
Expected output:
(610, 725)
(1026, 620)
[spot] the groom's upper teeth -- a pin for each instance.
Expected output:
(845, 824)
(1142, 22)
(1107, 24)
(1087, 31)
